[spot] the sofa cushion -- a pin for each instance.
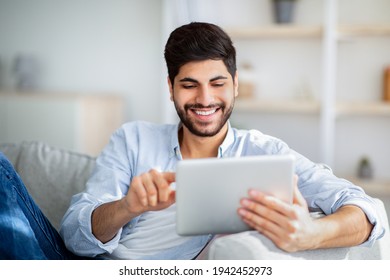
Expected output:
(251, 245)
(255, 246)
(52, 176)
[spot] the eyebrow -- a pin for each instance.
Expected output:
(188, 79)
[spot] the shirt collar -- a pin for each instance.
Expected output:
(175, 148)
(227, 142)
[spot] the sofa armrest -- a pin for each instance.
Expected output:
(11, 151)
(51, 175)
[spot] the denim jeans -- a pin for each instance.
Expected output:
(25, 233)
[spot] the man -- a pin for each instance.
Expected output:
(128, 208)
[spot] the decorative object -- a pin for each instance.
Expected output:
(386, 85)
(25, 70)
(365, 170)
(283, 10)
(246, 86)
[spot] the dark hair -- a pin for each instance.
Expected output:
(198, 41)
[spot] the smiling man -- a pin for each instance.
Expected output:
(203, 93)
(128, 208)
(204, 104)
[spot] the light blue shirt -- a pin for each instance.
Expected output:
(137, 147)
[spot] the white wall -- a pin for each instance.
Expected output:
(88, 46)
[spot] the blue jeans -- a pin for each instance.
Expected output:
(25, 233)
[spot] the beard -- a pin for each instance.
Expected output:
(203, 129)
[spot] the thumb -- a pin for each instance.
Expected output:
(172, 196)
(297, 196)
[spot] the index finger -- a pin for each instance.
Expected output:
(169, 176)
(272, 203)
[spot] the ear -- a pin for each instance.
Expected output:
(236, 84)
(170, 88)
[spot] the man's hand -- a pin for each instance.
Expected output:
(150, 191)
(290, 227)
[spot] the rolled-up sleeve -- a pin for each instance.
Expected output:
(323, 191)
(109, 182)
(326, 192)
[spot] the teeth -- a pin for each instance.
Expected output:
(206, 113)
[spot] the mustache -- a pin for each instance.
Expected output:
(200, 106)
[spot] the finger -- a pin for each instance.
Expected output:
(169, 176)
(261, 210)
(276, 234)
(259, 213)
(162, 183)
(171, 200)
(150, 187)
(172, 197)
(139, 190)
(273, 203)
(261, 224)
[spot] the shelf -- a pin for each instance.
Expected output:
(277, 106)
(77, 122)
(296, 31)
(363, 30)
(344, 109)
(374, 187)
(276, 31)
(368, 35)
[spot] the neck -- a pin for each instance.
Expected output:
(192, 146)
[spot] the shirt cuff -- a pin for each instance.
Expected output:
(374, 214)
(86, 228)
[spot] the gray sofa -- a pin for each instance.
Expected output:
(53, 175)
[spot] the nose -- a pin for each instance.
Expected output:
(204, 96)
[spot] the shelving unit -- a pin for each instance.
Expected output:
(78, 122)
(332, 37)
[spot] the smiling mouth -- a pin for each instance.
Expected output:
(205, 113)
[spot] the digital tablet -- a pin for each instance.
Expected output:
(208, 191)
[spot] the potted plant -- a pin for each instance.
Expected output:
(365, 170)
(283, 10)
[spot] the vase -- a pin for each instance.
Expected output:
(365, 170)
(283, 10)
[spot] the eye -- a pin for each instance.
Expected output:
(218, 84)
(188, 86)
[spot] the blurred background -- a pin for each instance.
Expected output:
(316, 76)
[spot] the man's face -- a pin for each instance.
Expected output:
(203, 94)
